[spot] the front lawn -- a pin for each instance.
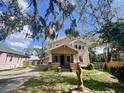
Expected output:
(52, 82)
(102, 82)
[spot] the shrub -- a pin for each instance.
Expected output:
(90, 66)
(119, 73)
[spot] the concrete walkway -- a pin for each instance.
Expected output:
(67, 74)
(11, 80)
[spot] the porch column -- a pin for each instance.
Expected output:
(50, 57)
(76, 58)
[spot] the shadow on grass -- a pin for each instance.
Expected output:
(43, 80)
(50, 84)
(103, 86)
(105, 70)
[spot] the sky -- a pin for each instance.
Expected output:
(18, 41)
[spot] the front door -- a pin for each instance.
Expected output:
(62, 60)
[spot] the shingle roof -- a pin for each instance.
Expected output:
(6, 49)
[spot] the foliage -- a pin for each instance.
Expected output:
(119, 73)
(90, 66)
(13, 18)
(40, 52)
(113, 33)
(96, 58)
(92, 56)
(117, 55)
(101, 58)
(71, 31)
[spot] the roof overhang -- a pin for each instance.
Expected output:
(63, 49)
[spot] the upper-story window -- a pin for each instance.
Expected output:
(82, 47)
(75, 46)
(79, 47)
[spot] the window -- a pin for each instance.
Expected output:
(11, 58)
(82, 47)
(75, 46)
(55, 59)
(79, 47)
(57, 44)
(68, 58)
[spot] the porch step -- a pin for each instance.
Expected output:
(65, 68)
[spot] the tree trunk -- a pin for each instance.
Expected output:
(108, 55)
(79, 77)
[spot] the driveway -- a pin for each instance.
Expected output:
(10, 80)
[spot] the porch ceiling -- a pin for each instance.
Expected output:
(64, 49)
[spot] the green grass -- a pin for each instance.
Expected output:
(51, 82)
(99, 83)
(47, 84)
(50, 72)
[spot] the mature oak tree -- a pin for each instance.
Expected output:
(93, 12)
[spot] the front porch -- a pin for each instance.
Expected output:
(63, 57)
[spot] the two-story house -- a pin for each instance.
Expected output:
(67, 52)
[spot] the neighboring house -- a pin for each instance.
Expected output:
(67, 52)
(99, 49)
(10, 58)
(34, 60)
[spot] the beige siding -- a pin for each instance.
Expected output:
(85, 58)
(83, 53)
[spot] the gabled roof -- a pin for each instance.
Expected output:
(61, 46)
(63, 39)
(5, 49)
(72, 40)
(77, 40)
